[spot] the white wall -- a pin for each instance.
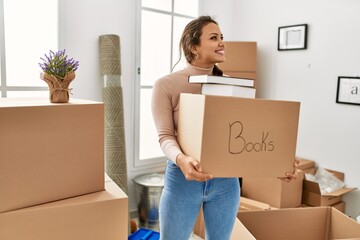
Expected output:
(328, 132)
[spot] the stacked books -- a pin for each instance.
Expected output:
(225, 86)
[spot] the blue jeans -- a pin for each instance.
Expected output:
(181, 201)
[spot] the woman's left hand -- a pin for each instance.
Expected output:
(291, 176)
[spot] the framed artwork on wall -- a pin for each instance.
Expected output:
(348, 90)
(292, 37)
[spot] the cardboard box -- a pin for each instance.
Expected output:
(306, 165)
(49, 151)
(239, 137)
(277, 193)
(312, 195)
(101, 215)
(241, 59)
(314, 223)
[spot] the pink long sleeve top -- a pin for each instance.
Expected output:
(165, 106)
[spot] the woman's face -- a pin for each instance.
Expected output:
(211, 49)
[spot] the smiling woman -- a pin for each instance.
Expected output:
(22, 28)
(187, 189)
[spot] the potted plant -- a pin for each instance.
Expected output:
(58, 72)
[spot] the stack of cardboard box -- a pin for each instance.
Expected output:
(52, 183)
(323, 220)
(312, 196)
(297, 193)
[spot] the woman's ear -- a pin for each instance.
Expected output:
(193, 50)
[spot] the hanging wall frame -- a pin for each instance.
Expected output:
(292, 37)
(348, 90)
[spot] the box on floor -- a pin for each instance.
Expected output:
(49, 151)
(239, 137)
(101, 215)
(314, 223)
(275, 192)
(312, 194)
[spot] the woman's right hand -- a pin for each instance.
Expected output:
(191, 168)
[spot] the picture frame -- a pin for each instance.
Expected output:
(293, 37)
(348, 90)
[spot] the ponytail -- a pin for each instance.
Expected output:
(217, 71)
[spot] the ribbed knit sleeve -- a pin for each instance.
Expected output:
(162, 110)
(165, 106)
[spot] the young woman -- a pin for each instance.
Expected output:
(186, 187)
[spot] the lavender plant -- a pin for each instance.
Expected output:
(58, 64)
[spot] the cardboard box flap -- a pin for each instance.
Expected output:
(284, 224)
(311, 186)
(339, 192)
(250, 204)
(339, 175)
(343, 227)
(305, 163)
(299, 224)
(314, 187)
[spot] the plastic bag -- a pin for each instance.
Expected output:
(327, 181)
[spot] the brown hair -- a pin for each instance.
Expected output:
(191, 37)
